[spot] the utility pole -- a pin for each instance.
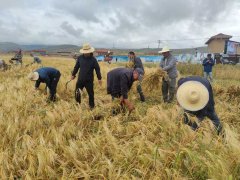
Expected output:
(159, 42)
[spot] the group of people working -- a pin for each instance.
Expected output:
(17, 60)
(194, 93)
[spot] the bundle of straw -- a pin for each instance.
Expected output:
(152, 81)
(130, 64)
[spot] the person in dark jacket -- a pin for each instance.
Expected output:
(208, 63)
(119, 82)
(195, 95)
(36, 59)
(168, 64)
(137, 63)
(47, 75)
(87, 63)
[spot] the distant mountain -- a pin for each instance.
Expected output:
(8, 46)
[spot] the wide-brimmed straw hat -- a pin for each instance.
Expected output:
(34, 76)
(86, 49)
(192, 95)
(164, 49)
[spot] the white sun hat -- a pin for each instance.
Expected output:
(86, 49)
(34, 76)
(164, 49)
(192, 96)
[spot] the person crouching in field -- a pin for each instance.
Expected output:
(119, 82)
(17, 58)
(195, 96)
(168, 64)
(86, 63)
(47, 75)
(36, 59)
(3, 65)
(137, 63)
(208, 63)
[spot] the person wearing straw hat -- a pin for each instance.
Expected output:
(86, 64)
(119, 82)
(47, 75)
(168, 64)
(195, 96)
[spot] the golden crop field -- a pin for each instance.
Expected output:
(64, 140)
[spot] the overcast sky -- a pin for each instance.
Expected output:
(118, 23)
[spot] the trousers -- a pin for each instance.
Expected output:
(89, 87)
(212, 115)
(168, 89)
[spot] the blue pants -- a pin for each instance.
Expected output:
(208, 75)
(211, 114)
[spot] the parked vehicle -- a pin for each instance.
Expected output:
(224, 58)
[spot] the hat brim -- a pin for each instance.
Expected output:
(34, 76)
(83, 51)
(182, 96)
(160, 52)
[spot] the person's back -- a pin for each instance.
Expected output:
(194, 97)
(138, 63)
(47, 75)
(47, 72)
(36, 60)
(119, 78)
(206, 83)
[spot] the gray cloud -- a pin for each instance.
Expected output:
(135, 23)
(71, 30)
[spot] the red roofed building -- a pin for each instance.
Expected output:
(102, 52)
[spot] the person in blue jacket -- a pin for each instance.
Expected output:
(47, 75)
(208, 63)
(195, 96)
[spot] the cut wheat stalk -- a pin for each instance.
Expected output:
(152, 81)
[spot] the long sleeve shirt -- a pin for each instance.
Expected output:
(138, 63)
(46, 75)
(208, 64)
(86, 65)
(119, 82)
(169, 64)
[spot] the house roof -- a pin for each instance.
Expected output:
(219, 36)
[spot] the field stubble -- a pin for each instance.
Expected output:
(63, 140)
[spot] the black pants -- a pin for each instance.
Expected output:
(140, 92)
(53, 87)
(211, 114)
(89, 87)
(168, 89)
